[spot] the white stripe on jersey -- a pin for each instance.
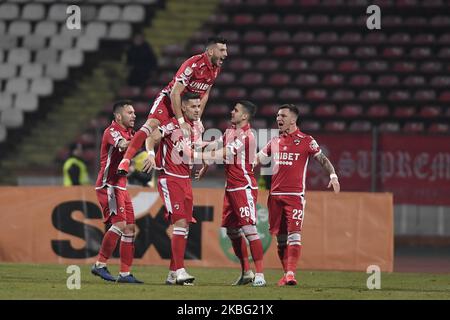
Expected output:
(304, 175)
(249, 182)
(108, 162)
(251, 205)
(165, 191)
(112, 203)
(156, 103)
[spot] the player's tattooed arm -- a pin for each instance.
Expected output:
(123, 144)
(325, 163)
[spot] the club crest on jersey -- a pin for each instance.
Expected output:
(314, 145)
(121, 209)
(297, 142)
(176, 206)
(284, 148)
(160, 111)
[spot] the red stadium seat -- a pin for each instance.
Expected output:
(431, 67)
(151, 92)
(389, 127)
(392, 52)
(141, 107)
(239, 64)
(218, 110)
(259, 123)
(318, 20)
(369, 95)
(255, 50)
(306, 79)
(338, 51)
(327, 37)
(360, 80)
(296, 65)
(414, 81)
(413, 127)
(360, 126)
(235, 93)
(293, 19)
(269, 110)
(230, 35)
(349, 66)
(392, 21)
(420, 52)
(404, 66)
(279, 79)
(243, 19)
(226, 78)
(424, 38)
(343, 94)
(254, 36)
(303, 37)
(262, 94)
(425, 95)
(304, 109)
(400, 38)
(281, 51)
(323, 65)
(335, 126)
(333, 80)
(129, 92)
(377, 66)
(350, 37)
(269, 20)
(325, 110)
(310, 51)
(439, 128)
(377, 111)
(430, 111)
(289, 94)
(445, 38)
(343, 21)
(375, 38)
(316, 94)
(351, 110)
(404, 112)
(309, 125)
(267, 65)
(398, 95)
(251, 78)
(445, 96)
(279, 36)
(387, 80)
(441, 81)
(444, 53)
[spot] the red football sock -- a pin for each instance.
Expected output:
(108, 245)
(126, 252)
(257, 254)
(178, 247)
(293, 253)
(283, 256)
(240, 250)
(135, 144)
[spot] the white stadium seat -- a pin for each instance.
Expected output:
(89, 13)
(34, 42)
(7, 70)
(6, 100)
(87, 43)
(120, 31)
(56, 71)
(46, 28)
(17, 85)
(3, 132)
(42, 86)
(26, 102)
(19, 56)
(46, 1)
(60, 42)
(46, 56)
(2, 27)
(97, 29)
(7, 41)
(19, 28)
(33, 12)
(133, 13)
(9, 11)
(58, 12)
(109, 13)
(2, 56)
(72, 33)
(72, 57)
(32, 70)
(11, 118)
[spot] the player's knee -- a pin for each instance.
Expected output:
(181, 223)
(233, 233)
(294, 239)
(116, 229)
(250, 232)
(282, 240)
(129, 228)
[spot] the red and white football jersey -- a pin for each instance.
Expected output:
(290, 155)
(110, 157)
(197, 74)
(174, 155)
(239, 167)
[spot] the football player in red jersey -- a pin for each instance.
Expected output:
(113, 196)
(290, 153)
(174, 161)
(241, 190)
(196, 75)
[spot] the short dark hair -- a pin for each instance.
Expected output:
(190, 95)
(250, 107)
(74, 146)
(120, 104)
(292, 108)
(214, 40)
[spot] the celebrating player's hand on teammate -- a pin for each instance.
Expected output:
(149, 163)
(335, 183)
(201, 172)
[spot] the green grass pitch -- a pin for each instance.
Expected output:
(38, 281)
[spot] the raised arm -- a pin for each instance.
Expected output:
(326, 164)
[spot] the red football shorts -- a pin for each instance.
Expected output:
(116, 205)
(239, 208)
(177, 196)
(285, 213)
(161, 109)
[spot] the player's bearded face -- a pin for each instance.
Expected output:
(219, 54)
(128, 116)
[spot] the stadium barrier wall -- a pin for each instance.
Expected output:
(348, 231)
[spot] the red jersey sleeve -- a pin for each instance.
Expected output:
(313, 147)
(112, 137)
(185, 72)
